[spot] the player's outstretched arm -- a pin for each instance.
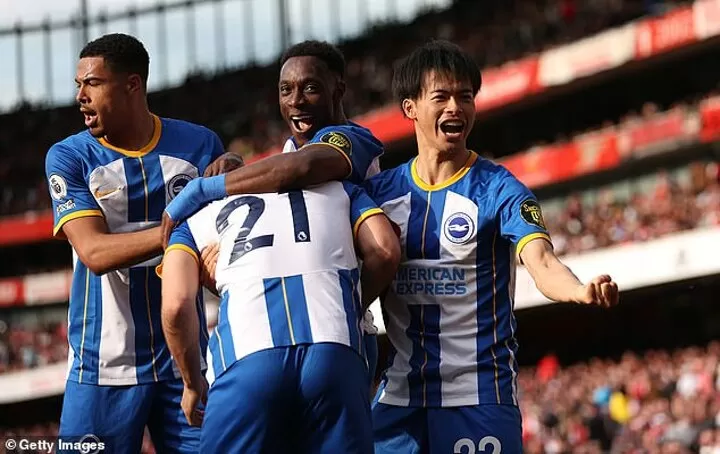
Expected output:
(379, 249)
(180, 324)
(313, 164)
(558, 283)
(102, 251)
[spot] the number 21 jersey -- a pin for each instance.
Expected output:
(287, 270)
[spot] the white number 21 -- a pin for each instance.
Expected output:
(481, 446)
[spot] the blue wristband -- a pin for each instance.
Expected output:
(213, 188)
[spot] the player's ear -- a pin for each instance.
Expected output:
(341, 86)
(409, 108)
(134, 83)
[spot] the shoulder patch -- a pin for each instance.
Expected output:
(532, 214)
(339, 140)
(58, 187)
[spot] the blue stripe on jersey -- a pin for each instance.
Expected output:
(487, 316)
(156, 185)
(278, 312)
(351, 302)
(217, 359)
(419, 208)
(138, 209)
(300, 216)
(145, 354)
(225, 337)
(504, 350)
(84, 336)
(95, 309)
(163, 359)
(298, 309)
(424, 375)
(423, 237)
(434, 229)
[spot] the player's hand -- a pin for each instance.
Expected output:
(209, 256)
(601, 291)
(224, 164)
(192, 398)
(193, 196)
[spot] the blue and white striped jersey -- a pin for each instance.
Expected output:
(287, 270)
(114, 325)
(449, 312)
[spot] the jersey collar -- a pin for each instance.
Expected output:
(452, 180)
(157, 131)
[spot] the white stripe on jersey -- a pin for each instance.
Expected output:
(114, 342)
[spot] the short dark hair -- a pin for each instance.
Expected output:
(122, 53)
(331, 55)
(440, 56)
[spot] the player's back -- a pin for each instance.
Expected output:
(287, 270)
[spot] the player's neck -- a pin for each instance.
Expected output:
(137, 133)
(435, 166)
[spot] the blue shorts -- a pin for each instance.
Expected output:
(489, 429)
(117, 415)
(301, 399)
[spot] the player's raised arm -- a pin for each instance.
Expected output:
(79, 219)
(376, 243)
(521, 222)
(180, 286)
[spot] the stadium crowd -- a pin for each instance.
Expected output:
(658, 402)
(241, 105)
(32, 345)
(615, 215)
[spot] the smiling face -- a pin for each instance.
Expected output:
(444, 112)
(103, 95)
(310, 96)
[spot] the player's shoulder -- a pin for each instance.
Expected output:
(74, 152)
(349, 131)
(390, 183)
(488, 173)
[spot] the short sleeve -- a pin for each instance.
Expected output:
(181, 239)
(361, 206)
(519, 213)
(71, 197)
(357, 145)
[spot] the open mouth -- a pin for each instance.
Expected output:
(302, 123)
(90, 117)
(452, 128)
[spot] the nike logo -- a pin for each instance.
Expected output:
(100, 193)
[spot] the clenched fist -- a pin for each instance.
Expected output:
(601, 291)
